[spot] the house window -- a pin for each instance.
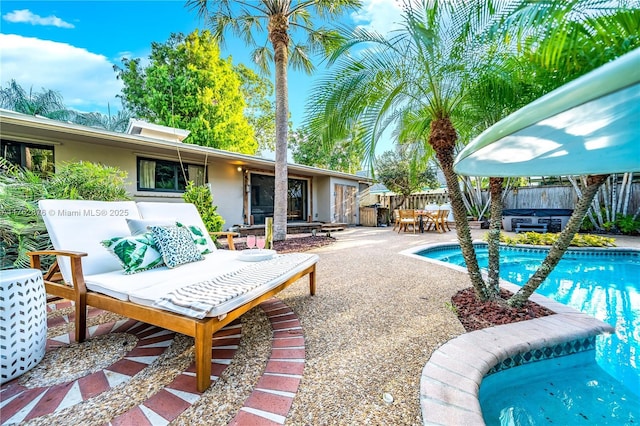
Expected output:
(167, 176)
(37, 158)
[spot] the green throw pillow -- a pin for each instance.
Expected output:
(199, 237)
(176, 245)
(136, 253)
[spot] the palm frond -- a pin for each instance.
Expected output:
(263, 57)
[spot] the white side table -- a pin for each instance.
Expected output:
(23, 321)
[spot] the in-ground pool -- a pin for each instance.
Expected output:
(601, 283)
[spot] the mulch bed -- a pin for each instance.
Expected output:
(291, 244)
(475, 315)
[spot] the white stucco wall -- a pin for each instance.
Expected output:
(124, 159)
(324, 195)
(226, 187)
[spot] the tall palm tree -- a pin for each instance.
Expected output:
(446, 51)
(282, 19)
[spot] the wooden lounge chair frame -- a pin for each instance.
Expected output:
(201, 330)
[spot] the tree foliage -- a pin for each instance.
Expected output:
(345, 155)
(260, 110)
(114, 123)
(188, 86)
(400, 173)
(21, 226)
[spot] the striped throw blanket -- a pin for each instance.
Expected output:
(196, 300)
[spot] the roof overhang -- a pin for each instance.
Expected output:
(27, 128)
(588, 126)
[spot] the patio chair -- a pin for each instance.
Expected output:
(438, 220)
(408, 217)
(396, 219)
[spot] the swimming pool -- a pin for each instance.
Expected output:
(602, 283)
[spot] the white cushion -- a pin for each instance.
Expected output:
(80, 225)
(139, 226)
(146, 287)
(185, 213)
(155, 282)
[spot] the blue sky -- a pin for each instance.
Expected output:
(71, 46)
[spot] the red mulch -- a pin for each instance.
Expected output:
(476, 315)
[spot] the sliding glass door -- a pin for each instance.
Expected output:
(262, 193)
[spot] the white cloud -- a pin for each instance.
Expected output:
(25, 16)
(85, 80)
(381, 16)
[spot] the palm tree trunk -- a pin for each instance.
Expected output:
(443, 138)
(495, 223)
(278, 35)
(562, 243)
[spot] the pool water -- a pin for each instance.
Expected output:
(573, 390)
(604, 284)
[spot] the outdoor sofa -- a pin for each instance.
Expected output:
(195, 298)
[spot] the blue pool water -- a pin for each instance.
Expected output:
(604, 284)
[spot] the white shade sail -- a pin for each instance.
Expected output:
(588, 126)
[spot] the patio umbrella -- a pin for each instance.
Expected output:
(588, 126)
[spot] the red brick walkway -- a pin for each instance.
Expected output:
(268, 404)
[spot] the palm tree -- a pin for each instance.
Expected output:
(282, 20)
(433, 70)
(420, 72)
(114, 123)
(47, 103)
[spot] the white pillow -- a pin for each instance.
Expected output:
(139, 226)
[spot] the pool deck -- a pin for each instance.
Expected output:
(451, 379)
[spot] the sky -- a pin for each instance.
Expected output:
(71, 46)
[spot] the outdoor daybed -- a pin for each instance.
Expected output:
(204, 289)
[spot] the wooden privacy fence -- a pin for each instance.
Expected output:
(535, 197)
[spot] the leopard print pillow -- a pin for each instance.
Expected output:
(176, 245)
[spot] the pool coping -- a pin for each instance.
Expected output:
(451, 378)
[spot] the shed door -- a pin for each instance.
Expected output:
(345, 202)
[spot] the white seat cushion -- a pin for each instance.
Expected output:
(155, 282)
(80, 225)
(148, 286)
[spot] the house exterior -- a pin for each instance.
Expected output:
(159, 163)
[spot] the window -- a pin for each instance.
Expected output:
(37, 158)
(167, 176)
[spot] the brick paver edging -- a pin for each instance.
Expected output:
(271, 400)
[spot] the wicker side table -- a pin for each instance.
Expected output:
(23, 321)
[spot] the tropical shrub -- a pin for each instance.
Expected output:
(88, 181)
(628, 224)
(201, 197)
(537, 239)
(21, 226)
